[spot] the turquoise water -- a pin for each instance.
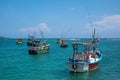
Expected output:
(17, 64)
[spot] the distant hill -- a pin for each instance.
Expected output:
(2, 37)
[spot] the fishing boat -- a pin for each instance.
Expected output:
(87, 59)
(40, 49)
(64, 44)
(19, 41)
(59, 41)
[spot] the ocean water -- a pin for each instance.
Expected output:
(17, 64)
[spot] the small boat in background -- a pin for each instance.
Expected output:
(86, 60)
(59, 41)
(64, 44)
(19, 41)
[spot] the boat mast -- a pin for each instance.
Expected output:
(95, 40)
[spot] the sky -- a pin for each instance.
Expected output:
(57, 18)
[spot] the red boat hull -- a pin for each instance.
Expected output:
(93, 66)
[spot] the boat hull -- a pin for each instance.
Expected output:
(59, 41)
(38, 51)
(82, 67)
(19, 42)
(77, 67)
(93, 66)
(64, 46)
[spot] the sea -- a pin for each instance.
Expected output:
(17, 64)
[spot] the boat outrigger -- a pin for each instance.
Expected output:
(88, 59)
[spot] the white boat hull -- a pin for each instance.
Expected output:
(78, 67)
(82, 67)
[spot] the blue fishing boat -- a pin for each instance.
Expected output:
(85, 60)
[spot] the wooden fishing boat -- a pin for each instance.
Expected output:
(86, 60)
(19, 41)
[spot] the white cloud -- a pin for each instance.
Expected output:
(36, 30)
(41, 27)
(44, 28)
(109, 26)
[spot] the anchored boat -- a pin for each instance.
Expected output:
(64, 44)
(19, 41)
(59, 41)
(41, 48)
(85, 60)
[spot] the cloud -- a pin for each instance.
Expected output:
(41, 27)
(44, 28)
(109, 25)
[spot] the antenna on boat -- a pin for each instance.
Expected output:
(90, 20)
(95, 40)
(93, 35)
(20, 35)
(34, 34)
(97, 34)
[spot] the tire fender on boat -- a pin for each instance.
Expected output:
(74, 66)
